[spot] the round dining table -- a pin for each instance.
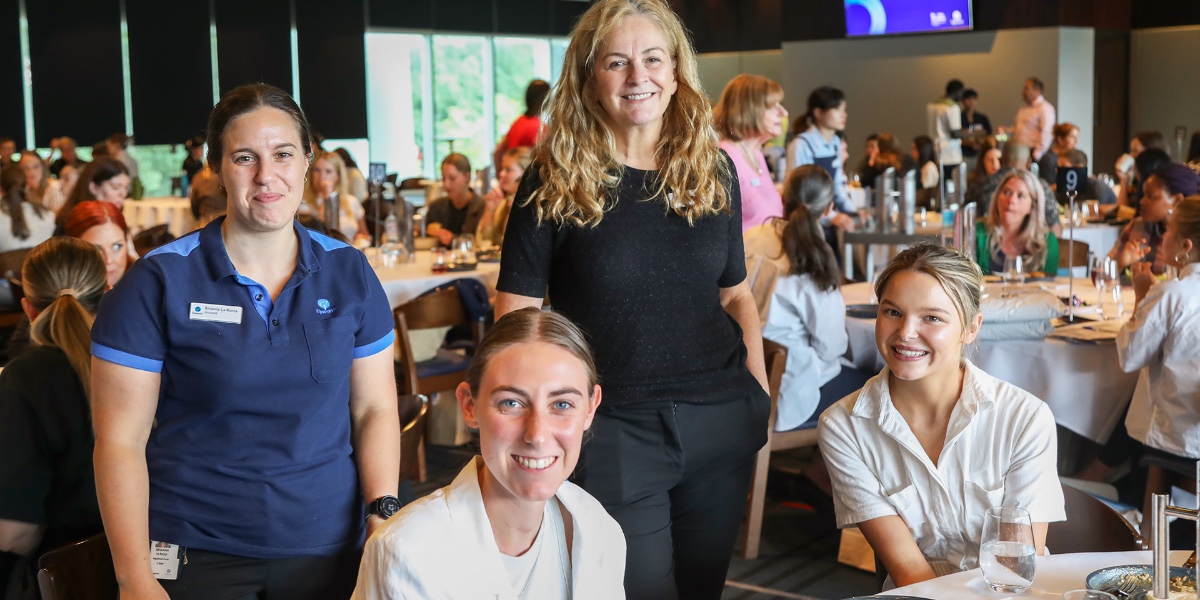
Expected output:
(1055, 574)
(1083, 383)
(407, 280)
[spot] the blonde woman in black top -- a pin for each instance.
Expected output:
(631, 219)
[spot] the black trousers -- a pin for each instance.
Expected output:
(215, 576)
(676, 479)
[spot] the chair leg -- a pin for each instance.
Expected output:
(422, 476)
(758, 499)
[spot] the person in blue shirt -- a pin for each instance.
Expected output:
(820, 143)
(244, 401)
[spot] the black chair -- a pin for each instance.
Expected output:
(10, 307)
(151, 238)
(79, 571)
(1091, 526)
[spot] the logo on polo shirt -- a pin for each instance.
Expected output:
(324, 307)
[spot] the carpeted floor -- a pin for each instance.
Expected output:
(798, 555)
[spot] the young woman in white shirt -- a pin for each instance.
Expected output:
(510, 518)
(1163, 340)
(928, 445)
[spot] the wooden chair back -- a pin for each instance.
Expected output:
(413, 410)
(1091, 526)
(151, 238)
(441, 308)
(79, 571)
(775, 356)
(1072, 253)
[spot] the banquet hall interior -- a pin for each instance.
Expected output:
(392, 88)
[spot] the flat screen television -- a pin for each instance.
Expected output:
(893, 17)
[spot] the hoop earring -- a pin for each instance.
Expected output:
(1186, 257)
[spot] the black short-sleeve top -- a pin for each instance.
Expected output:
(645, 286)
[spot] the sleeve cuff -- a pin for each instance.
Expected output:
(377, 346)
(126, 359)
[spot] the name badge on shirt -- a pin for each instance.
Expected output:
(164, 560)
(755, 182)
(216, 313)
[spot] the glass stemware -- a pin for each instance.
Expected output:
(1014, 271)
(1007, 552)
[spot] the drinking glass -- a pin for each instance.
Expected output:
(1006, 553)
(1088, 595)
(1107, 279)
(465, 245)
(1014, 271)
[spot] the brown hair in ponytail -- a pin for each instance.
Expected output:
(63, 278)
(807, 194)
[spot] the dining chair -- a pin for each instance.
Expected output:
(1091, 526)
(10, 299)
(441, 307)
(413, 410)
(79, 571)
(775, 356)
(151, 238)
(1072, 249)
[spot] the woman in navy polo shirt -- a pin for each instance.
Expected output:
(244, 402)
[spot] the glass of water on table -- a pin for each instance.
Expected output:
(1007, 551)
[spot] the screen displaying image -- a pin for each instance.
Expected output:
(891, 17)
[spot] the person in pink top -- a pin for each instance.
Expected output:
(1035, 120)
(749, 114)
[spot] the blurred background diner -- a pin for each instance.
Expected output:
(1064, 136)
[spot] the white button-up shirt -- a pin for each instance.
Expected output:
(1000, 450)
(441, 547)
(944, 117)
(1163, 341)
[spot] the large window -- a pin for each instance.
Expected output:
(517, 62)
(429, 95)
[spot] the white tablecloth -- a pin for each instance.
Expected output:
(408, 280)
(1099, 237)
(1083, 383)
(148, 212)
(1054, 575)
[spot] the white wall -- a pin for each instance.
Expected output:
(1164, 82)
(888, 81)
(717, 68)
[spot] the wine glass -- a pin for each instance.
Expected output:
(1106, 275)
(1006, 553)
(1014, 271)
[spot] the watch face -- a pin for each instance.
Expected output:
(388, 506)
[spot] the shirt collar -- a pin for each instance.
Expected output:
(212, 244)
(1190, 269)
(875, 399)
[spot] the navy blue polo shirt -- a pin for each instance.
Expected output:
(251, 453)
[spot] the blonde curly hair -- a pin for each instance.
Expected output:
(577, 156)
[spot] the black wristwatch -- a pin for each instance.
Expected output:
(385, 507)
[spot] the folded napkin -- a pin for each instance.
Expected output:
(1022, 315)
(1094, 332)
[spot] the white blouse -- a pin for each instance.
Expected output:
(1000, 450)
(40, 228)
(811, 323)
(441, 547)
(1163, 341)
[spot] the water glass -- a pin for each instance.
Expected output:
(1088, 595)
(1014, 271)
(1007, 552)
